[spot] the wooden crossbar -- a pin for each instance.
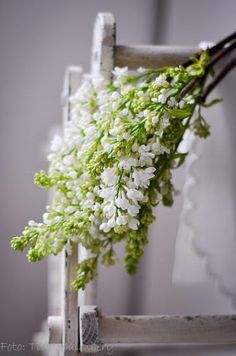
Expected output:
(151, 56)
(97, 329)
(168, 329)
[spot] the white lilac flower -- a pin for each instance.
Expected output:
(108, 194)
(96, 207)
(72, 174)
(125, 112)
(120, 72)
(128, 163)
(160, 80)
(133, 210)
(57, 144)
(115, 105)
(115, 95)
(134, 194)
(154, 100)
(46, 218)
(133, 223)
(120, 75)
(31, 223)
(69, 160)
(141, 70)
(102, 167)
(109, 176)
(162, 98)
(121, 219)
(121, 201)
(112, 221)
(109, 210)
(142, 177)
(88, 203)
(146, 157)
(172, 102)
(105, 227)
(126, 135)
(70, 209)
(106, 143)
(158, 149)
(135, 147)
(181, 104)
(155, 119)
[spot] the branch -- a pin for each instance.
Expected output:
(209, 65)
(188, 87)
(214, 49)
(218, 79)
(221, 55)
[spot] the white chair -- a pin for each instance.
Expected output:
(88, 330)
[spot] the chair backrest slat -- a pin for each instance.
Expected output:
(151, 56)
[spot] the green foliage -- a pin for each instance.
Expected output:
(181, 113)
(44, 181)
(172, 133)
(200, 127)
(85, 273)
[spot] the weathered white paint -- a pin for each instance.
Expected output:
(104, 39)
(216, 329)
(97, 329)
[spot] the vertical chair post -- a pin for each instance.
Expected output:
(102, 63)
(70, 342)
(104, 41)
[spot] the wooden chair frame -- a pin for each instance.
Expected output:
(77, 324)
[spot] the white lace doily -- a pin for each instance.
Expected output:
(207, 228)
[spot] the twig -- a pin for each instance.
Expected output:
(188, 87)
(218, 78)
(209, 65)
(221, 55)
(222, 43)
(214, 49)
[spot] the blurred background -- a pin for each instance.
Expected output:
(38, 40)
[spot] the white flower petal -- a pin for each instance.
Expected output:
(133, 224)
